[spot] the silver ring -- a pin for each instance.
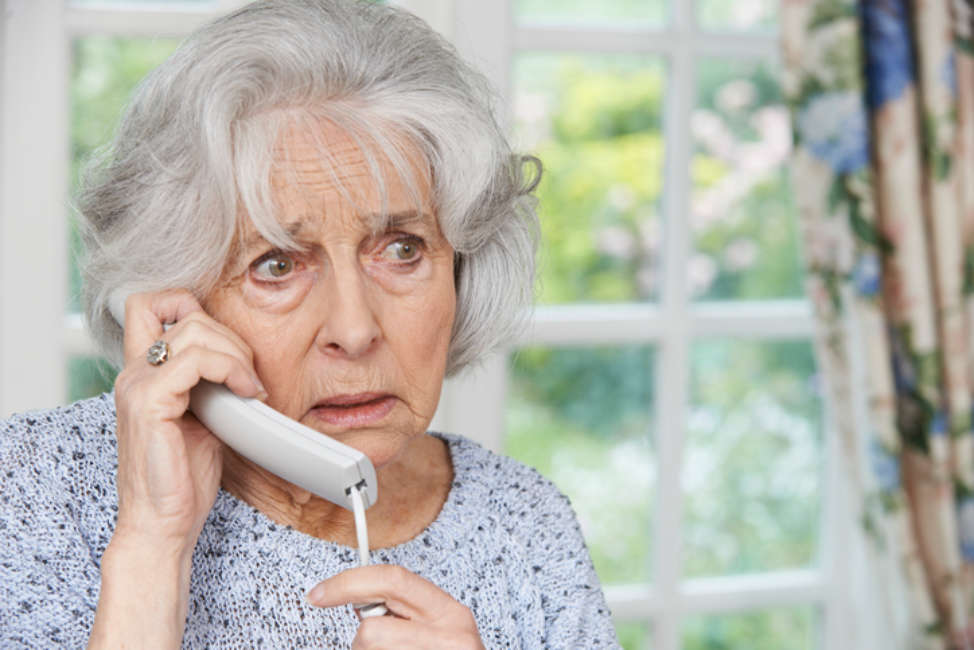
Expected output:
(158, 353)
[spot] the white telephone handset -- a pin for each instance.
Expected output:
(286, 448)
(282, 446)
(296, 453)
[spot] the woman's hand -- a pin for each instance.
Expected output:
(169, 466)
(421, 614)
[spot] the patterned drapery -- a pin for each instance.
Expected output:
(882, 93)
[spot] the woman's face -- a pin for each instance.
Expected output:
(349, 335)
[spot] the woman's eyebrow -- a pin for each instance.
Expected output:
(395, 220)
(380, 221)
(255, 239)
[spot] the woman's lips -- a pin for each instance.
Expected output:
(352, 411)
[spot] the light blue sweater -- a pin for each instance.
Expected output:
(506, 544)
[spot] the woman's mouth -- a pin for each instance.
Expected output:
(351, 411)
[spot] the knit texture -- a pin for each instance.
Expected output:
(506, 544)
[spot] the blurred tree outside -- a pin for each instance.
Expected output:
(738, 16)
(752, 466)
(595, 122)
(742, 214)
(596, 447)
(792, 628)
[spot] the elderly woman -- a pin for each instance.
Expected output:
(311, 203)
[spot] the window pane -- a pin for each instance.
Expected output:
(739, 15)
(792, 628)
(104, 72)
(595, 123)
(742, 216)
(585, 13)
(582, 417)
(633, 636)
(88, 376)
(753, 467)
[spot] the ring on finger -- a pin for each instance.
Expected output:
(158, 353)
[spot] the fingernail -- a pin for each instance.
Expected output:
(316, 594)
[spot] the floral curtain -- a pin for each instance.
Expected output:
(882, 94)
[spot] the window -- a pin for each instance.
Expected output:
(667, 382)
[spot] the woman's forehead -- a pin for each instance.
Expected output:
(321, 175)
(327, 165)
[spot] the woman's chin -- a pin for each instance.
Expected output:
(382, 447)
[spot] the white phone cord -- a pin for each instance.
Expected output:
(361, 529)
(367, 610)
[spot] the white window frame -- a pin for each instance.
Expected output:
(36, 338)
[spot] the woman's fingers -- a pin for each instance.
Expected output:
(145, 314)
(391, 632)
(192, 328)
(202, 341)
(404, 593)
(424, 616)
(199, 328)
(187, 367)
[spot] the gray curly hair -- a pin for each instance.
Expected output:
(160, 205)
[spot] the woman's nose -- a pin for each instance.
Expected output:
(349, 327)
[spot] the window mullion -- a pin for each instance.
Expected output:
(648, 41)
(672, 371)
(595, 324)
(837, 540)
(835, 537)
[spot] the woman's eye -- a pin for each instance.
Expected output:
(274, 267)
(402, 250)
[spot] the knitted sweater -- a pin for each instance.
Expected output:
(506, 544)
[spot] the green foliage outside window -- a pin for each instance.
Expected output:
(582, 417)
(753, 460)
(791, 628)
(742, 217)
(595, 122)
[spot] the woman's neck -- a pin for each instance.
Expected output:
(412, 490)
